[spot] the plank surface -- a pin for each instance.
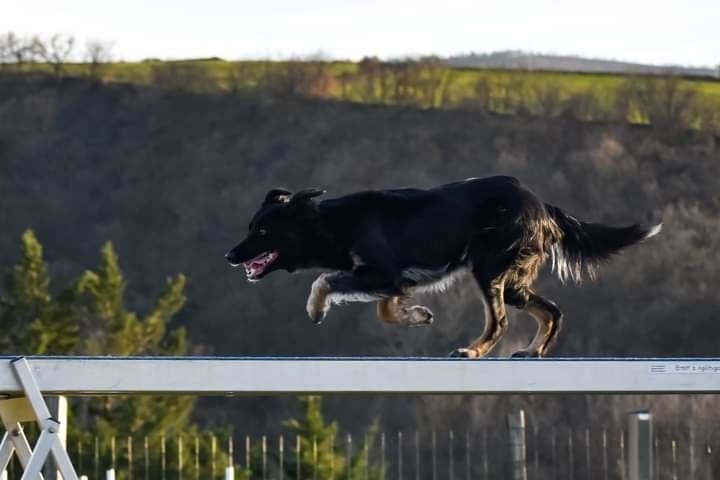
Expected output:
(247, 375)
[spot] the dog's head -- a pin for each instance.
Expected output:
(280, 234)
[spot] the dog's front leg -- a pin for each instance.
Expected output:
(364, 284)
(318, 303)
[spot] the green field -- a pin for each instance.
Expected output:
(429, 84)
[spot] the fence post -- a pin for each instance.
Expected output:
(400, 456)
(230, 469)
(281, 452)
(130, 457)
(146, 456)
(263, 447)
(96, 456)
(516, 430)
(588, 461)
(197, 458)
(298, 456)
(163, 458)
(180, 458)
(451, 455)
(417, 455)
(691, 441)
(640, 446)
(434, 455)
(229, 473)
(486, 464)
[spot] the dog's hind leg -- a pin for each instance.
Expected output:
(496, 321)
(549, 320)
(393, 310)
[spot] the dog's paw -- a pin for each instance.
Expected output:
(419, 316)
(464, 353)
(317, 317)
(317, 311)
(526, 354)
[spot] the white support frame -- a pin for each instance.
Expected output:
(31, 407)
(30, 378)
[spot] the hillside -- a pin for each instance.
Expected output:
(172, 178)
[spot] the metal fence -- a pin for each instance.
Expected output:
(556, 452)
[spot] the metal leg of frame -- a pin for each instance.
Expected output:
(32, 407)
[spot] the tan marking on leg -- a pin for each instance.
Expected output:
(393, 311)
(390, 310)
(496, 323)
(318, 302)
(548, 318)
(544, 320)
(552, 317)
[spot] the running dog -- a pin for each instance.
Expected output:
(386, 245)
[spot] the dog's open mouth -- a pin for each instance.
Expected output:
(255, 267)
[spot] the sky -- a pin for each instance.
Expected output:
(656, 32)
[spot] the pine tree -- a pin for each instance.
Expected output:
(90, 317)
(110, 329)
(322, 455)
(35, 321)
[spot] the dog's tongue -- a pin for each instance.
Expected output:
(257, 265)
(254, 262)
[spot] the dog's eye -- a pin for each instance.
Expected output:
(262, 231)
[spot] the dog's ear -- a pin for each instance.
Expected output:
(277, 195)
(306, 195)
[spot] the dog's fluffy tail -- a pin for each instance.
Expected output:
(583, 246)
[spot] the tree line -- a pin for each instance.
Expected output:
(672, 105)
(56, 51)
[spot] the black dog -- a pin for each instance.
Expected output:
(386, 245)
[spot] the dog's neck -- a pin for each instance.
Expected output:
(330, 247)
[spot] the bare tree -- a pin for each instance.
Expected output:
(510, 93)
(57, 52)
(586, 106)
(5, 52)
(667, 103)
(407, 76)
(432, 79)
(184, 76)
(369, 73)
(294, 77)
(482, 94)
(345, 80)
(97, 54)
(241, 78)
(375, 80)
(545, 99)
(18, 50)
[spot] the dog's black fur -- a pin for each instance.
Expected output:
(386, 245)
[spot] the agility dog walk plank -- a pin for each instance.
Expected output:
(74, 376)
